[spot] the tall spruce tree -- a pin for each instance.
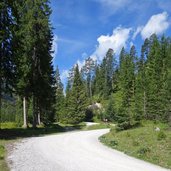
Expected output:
(102, 82)
(109, 69)
(88, 72)
(77, 100)
(126, 113)
(35, 78)
(6, 60)
(168, 84)
(60, 99)
(153, 78)
(140, 83)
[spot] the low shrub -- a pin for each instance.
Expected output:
(123, 126)
(161, 135)
(113, 143)
(143, 150)
(2, 152)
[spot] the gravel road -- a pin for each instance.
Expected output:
(72, 151)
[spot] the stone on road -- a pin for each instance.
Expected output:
(72, 151)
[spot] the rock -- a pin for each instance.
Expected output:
(95, 106)
(157, 129)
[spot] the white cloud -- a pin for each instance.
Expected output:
(114, 4)
(138, 30)
(111, 6)
(55, 46)
(80, 63)
(64, 75)
(115, 41)
(156, 24)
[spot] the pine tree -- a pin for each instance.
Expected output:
(168, 85)
(153, 78)
(6, 61)
(95, 81)
(126, 113)
(164, 90)
(109, 69)
(140, 83)
(88, 72)
(110, 112)
(102, 82)
(77, 100)
(35, 71)
(60, 99)
(121, 67)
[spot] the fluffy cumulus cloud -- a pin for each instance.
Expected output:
(55, 46)
(157, 24)
(116, 41)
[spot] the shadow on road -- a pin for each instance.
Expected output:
(14, 133)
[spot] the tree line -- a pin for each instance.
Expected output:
(131, 87)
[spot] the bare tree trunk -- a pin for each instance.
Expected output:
(25, 112)
(38, 116)
(34, 113)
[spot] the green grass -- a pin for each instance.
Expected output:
(143, 142)
(3, 153)
(9, 125)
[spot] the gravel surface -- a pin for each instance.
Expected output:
(72, 151)
(91, 123)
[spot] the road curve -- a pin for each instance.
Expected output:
(72, 151)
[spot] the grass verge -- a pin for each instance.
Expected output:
(143, 142)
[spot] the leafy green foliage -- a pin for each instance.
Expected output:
(2, 152)
(161, 136)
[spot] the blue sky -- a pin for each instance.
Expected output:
(85, 28)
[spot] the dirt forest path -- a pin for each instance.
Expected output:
(72, 151)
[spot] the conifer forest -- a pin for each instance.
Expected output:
(132, 86)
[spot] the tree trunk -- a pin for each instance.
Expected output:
(34, 113)
(0, 107)
(38, 114)
(25, 112)
(38, 119)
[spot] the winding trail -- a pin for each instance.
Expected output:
(72, 151)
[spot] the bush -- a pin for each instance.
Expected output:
(123, 126)
(113, 143)
(161, 135)
(2, 152)
(143, 150)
